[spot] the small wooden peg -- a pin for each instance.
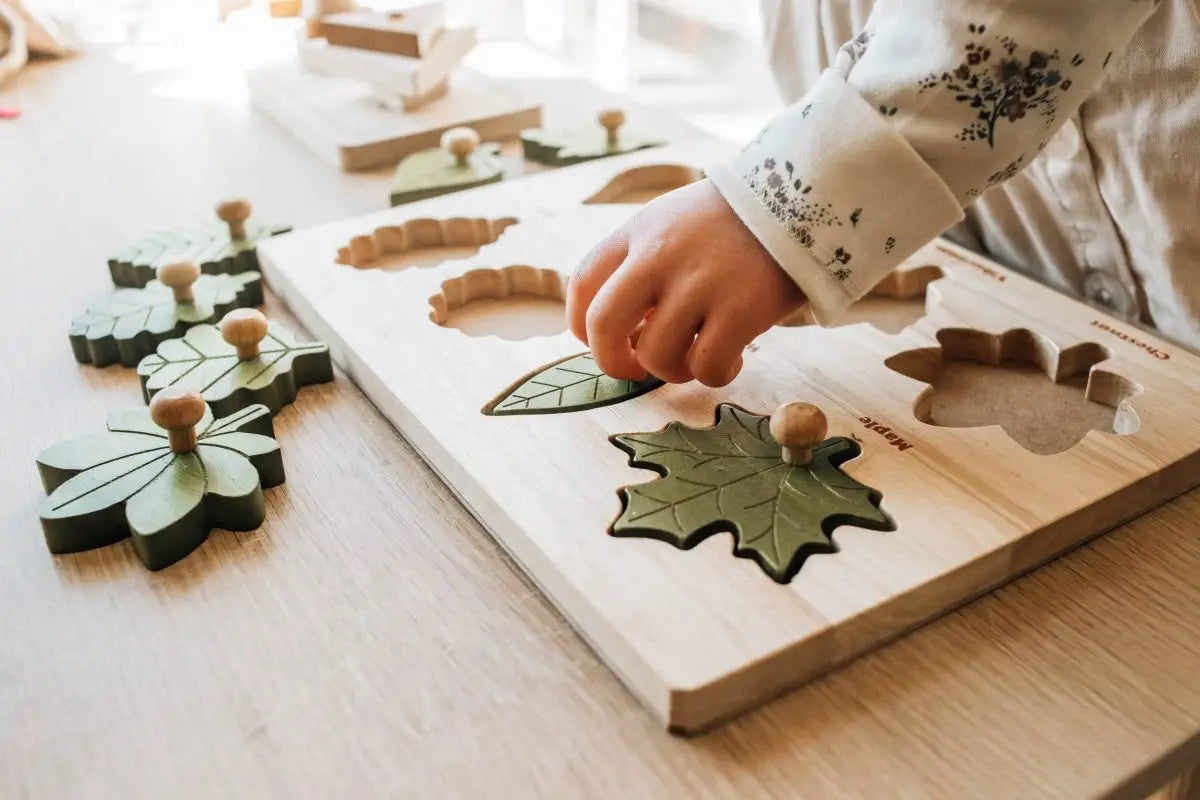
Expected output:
(460, 143)
(798, 427)
(244, 328)
(234, 213)
(180, 276)
(177, 411)
(612, 119)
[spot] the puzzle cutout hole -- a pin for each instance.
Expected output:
(643, 184)
(514, 303)
(1045, 399)
(895, 303)
(422, 242)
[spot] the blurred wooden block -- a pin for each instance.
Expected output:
(345, 122)
(408, 32)
(397, 75)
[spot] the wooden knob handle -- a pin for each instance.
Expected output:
(612, 119)
(798, 427)
(180, 276)
(177, 411)
(244, 328)
(234, 213)
(460, 143)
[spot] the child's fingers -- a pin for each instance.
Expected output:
(613, 318)
(596, 268)
(716, 357)
(664, 344)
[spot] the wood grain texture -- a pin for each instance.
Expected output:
(700, 636)
(372, 640)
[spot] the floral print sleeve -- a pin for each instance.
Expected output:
(930, 105)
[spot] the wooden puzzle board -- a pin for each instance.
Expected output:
(343, 122)
(699, 635)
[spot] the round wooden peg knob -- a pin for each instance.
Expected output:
(612, 119)
(234, 213)
(244, 328)
(798, 427)
(460, 143)
(177, 411)
(180, 276)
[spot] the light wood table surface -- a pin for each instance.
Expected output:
(371, 640)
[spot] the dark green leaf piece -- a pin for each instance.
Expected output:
(559, 148)
(202, 360)
(433, 172)
(209, 245)
(127, 482)
(574, 383)
(732, 477)
(126, 325)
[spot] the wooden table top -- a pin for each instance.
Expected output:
(372, 639)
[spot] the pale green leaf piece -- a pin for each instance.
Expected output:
(433, 172)
(126, 325)
(574, 383)
(127, 483)
(560, 148)
(202, 360)
(732, 478)
(207, 244)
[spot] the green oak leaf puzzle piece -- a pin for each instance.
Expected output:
(126, 325)
(573, 383)
(732, 478)
(204, 361)
(433, 172)
(128, 482)
(209, 245)
(560, 148)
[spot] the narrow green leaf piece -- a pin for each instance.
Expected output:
(209, 245)
(574, 383)
(202, 360)
(559, 148)
(127, 482)
(433, 172)
(126, 325)
(732, 478)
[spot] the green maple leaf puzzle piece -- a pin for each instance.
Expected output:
(127, 482)
(202, 360)
(209, 245)
(127, 324)
(433, 172)
(573, 383)
(563, 147)
(732, 477)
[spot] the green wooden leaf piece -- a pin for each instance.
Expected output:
(560, 148)
(209, 245)
(433, 172)
(731, 477)
(127, 482)
(574, 383)
(202, 360)
(126, 325)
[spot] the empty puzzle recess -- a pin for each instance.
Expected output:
(1046, 398)
(643, 184)
(516, 302)
(896, 302)
(422, 242)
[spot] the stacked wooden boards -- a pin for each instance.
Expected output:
(699, 635)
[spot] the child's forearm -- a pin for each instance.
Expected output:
(933, 103)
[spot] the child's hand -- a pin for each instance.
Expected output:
(703, 284)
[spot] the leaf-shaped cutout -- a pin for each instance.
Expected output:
(128, 482)
(202, 360)
(127, 324)
(732, 477)
(573, 383)
(208, 245)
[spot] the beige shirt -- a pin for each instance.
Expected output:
(1062, 138)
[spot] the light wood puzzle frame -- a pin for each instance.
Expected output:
(698, 635)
